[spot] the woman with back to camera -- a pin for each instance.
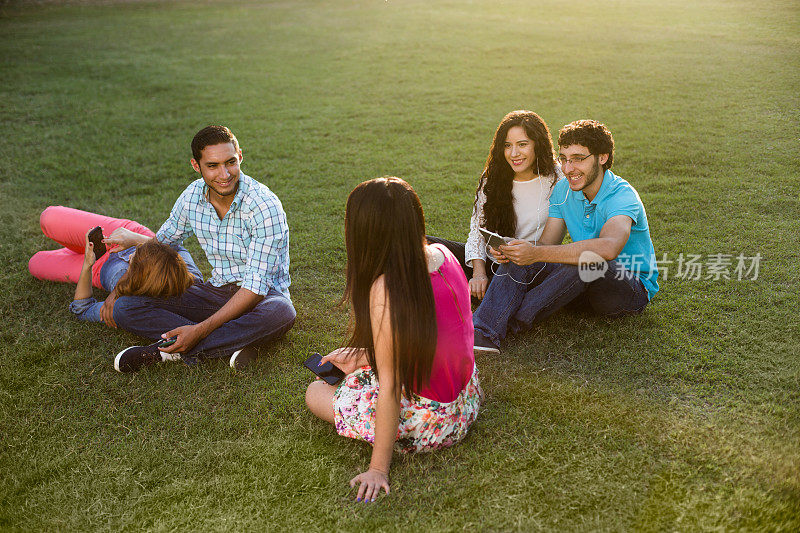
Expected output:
(411, 380)
(513, 194)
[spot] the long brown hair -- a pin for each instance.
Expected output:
(384, 234)
(497, 179)
(156, 270)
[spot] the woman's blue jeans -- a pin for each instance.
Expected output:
(518, 296)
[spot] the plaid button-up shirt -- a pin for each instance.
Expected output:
(249, 246)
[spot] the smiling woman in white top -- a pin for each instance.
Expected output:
(513, 195)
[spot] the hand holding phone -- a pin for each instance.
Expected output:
(96, 238)
(328, 371)
(163, 343)
(89, 258)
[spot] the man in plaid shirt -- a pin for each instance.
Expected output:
(242, 228)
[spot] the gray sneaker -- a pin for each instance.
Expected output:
(483, 344)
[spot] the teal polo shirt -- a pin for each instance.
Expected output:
(585, 219)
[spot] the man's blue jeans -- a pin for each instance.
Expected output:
(150, 317)
(518, 295)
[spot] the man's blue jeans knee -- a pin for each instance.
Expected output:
(151, 317)
(619, 292)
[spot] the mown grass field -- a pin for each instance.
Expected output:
(684, 418)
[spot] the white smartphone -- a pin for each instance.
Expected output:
(493, 239)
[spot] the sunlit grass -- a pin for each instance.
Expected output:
(683, 418)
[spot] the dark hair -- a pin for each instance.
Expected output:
(497, 179)
(209, 136)
(384, 234)
(591, 134)
(156, 270)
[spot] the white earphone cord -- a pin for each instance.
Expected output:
(538, 210)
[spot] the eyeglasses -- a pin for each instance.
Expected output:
(574, 160)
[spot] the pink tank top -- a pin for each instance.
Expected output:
(454, 360)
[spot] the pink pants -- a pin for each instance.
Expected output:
(68, 228)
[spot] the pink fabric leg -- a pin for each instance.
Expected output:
(56, 265)
(68, 227)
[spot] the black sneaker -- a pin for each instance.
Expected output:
(241, 359)
(133, 358)
(483, 344)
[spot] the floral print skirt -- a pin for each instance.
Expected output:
(424, 424)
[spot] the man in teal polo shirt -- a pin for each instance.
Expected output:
(610, 265)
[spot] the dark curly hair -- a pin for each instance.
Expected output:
(209, 136)
(497, 179)
(591, 134)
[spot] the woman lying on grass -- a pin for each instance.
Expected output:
(151, 269)
(411, 380)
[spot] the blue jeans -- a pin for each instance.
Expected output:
(150, 317)
(518, 296)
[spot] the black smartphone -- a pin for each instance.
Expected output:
(96, 238)
(331, 373)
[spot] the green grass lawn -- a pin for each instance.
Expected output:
(686, 417)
